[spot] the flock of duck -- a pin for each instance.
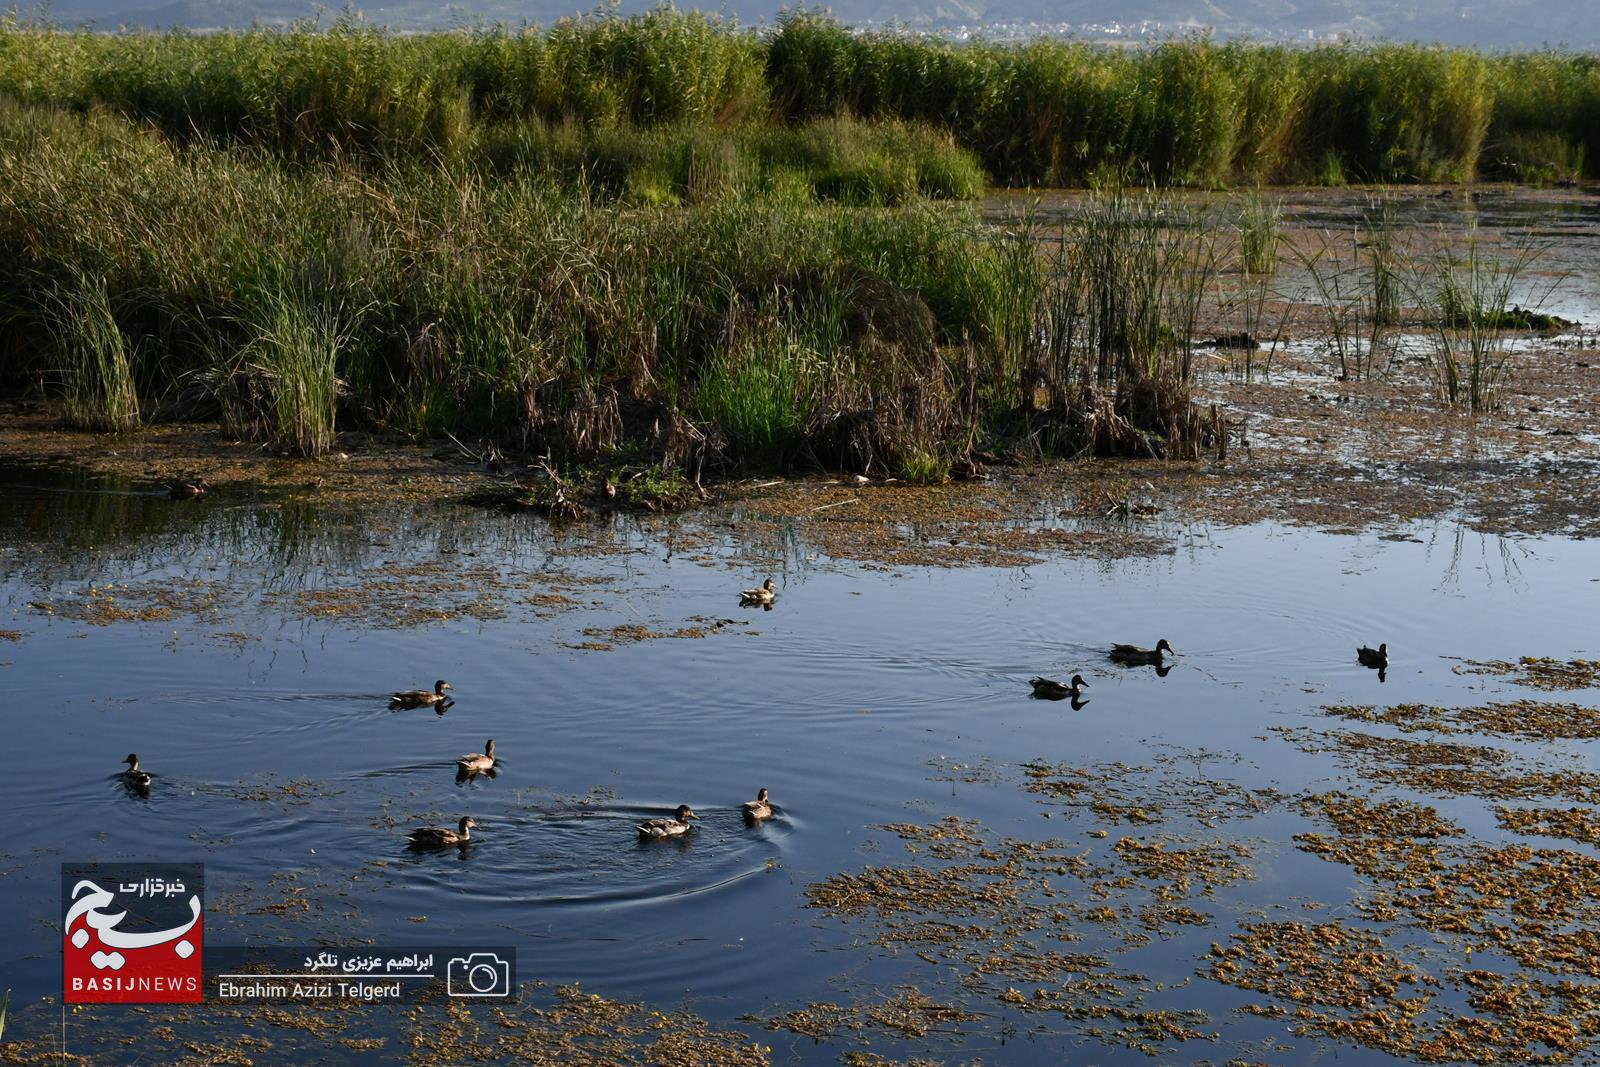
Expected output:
(1136, 655)
(472, 764)
(755, 811)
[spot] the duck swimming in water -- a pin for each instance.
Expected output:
(1050, 689)
(759, 597)
(420, 698)
(478, 762)
(440, 836)
(185, 490)
(133, 775)
(1138, 654)
(1376, 658)
(676, 826)
(758, 809)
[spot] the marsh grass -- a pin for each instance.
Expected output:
(1113, 324)
(1244, 313)
(95, 364)
(1183, 112)
(284, 385)
(851, 161)
(1357, 277)
(1466, 294)
(1260, 229)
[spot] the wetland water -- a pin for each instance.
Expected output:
(244, 647)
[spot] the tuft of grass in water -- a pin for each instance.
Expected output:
(755, 393)
(1333, 269)
(1143, 264)
(1467, 297)
(95, 363)
(283, 386)
(1260, 231)
(1385, 258)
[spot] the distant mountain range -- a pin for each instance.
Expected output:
(1495, 24)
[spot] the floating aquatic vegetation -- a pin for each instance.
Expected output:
(1540, 672)
(1533, 719)
(998, 910)
(410, 595)
(907, 1014)
(1377, 987)
(1574, 824)
(154, 601)
(1446, 768)
(1540, 907)
(577, 1027)
(1124, 793)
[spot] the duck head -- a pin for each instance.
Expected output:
(685, 813)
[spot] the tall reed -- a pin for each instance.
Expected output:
(1183, 112)
(95, 363)
(1467, 296)
(283, 386)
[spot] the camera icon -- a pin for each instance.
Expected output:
(482, 974)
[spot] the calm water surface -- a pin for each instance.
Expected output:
(867, 697)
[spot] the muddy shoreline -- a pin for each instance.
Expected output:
(1304, 449)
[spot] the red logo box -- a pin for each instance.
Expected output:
(131, 933)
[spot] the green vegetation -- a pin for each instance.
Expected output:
(664, 241)
(1189, 112)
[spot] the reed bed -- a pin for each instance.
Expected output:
(295, 299)
(668, 238)
(1186, 111)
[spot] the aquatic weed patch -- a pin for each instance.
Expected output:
(1574, 824)
(1529, 719)
(1374, 986)
(1121, 792)
(566, 1026)
(908, 1013)
(998, 910)
(153, 601)
(1445, 768)
(575, 1027)
(1540, 672)
(415, 594)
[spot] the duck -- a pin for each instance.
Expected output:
(186, 490)
(133, 775)
(766, 594)
(1376, 658)
(474, 762)
(441, 836)
(676, 826)
(1138, 654)
(758, 809)
(1050, 689)
(420, 698)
